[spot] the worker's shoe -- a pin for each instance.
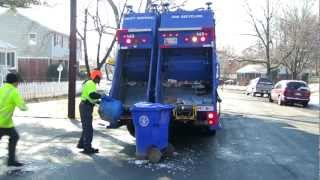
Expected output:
(15, 163)
(114, 125)
(80, 146)
(90, 151)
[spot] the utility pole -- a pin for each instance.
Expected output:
(72, 59)
(318, 58)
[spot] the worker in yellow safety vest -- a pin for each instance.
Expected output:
(9, 99)
(89, 98)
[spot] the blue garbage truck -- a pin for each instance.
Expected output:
(169, 57)
(188, 68)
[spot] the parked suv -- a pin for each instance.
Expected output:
(260, 86)
(290, 92)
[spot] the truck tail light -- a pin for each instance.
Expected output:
(128, 41)
(120, 33)
(212, 118)
(186, 39)
(203, 39)
(194, 39)
(209, 33)
(307, 94)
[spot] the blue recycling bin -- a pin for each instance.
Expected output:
(110, 109)
(151, 122)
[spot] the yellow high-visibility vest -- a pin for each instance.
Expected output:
(88, 88)
(9, 99)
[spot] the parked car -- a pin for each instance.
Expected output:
(260, 86)
(290, 92)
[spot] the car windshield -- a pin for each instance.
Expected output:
(265, 81)
(296, 85)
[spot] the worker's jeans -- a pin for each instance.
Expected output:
(13, 140)
(86, 110)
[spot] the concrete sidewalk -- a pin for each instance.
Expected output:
(48, 109)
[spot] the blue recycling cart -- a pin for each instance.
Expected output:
(151, 121)
(110, 110)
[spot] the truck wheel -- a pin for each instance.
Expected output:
(211, 132)
(208, 132)
(305, 104)
(154, 155)
(130, 128)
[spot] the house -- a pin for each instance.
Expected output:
(8, 61)
(250, 71)
(228, 69)
(39, 45)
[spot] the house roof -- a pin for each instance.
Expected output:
(252, 68)
(55, 19)
(6, 46)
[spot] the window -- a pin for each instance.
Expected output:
(32, 38)
(66, 42)
(265, 81)
(296, 85)
(55, 40)
(2, 58)
(11, 59)
(61, 41)
(277, 86)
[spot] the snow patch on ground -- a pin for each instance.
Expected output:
(182, 162)
(172, 166)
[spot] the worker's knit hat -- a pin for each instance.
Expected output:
(12, 78)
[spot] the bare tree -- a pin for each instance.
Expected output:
(298, 38)
(18, 3)
(84, 40)
(101, 29)
(263, 31)
(174, 4)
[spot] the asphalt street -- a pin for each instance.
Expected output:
(259, 141)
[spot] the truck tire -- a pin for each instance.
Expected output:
(305, 104)
(211, 132)
(208, 132)
(130, 128)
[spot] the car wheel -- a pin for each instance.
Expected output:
(270, 99)
(280, 102)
